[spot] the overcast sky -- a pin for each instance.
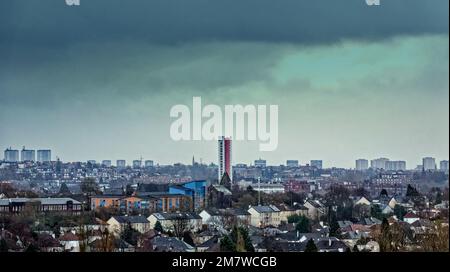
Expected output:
(352, 81)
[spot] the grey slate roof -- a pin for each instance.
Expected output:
(170, 244)
(44, 201)
(209, 243)
(173, 216)
(131, 219)
(237, 212)
(266, 209)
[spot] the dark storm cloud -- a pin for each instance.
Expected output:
(176, 21)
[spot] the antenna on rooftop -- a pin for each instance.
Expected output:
(259, 191)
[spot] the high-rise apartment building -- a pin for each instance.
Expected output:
(429, 163)
(362, 165)
(224, 150)
(137, 163)
(44, 155)
(106, 163)
(121, 163)
(149, 163)
(396, 165)
(378, 163)
(11, 155)
(27, 155)
(443, 166)
(260, 163)
(316, 163)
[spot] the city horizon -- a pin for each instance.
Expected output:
(302, 162)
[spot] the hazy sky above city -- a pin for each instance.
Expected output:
(352, 81)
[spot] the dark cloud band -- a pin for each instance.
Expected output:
(178, 21)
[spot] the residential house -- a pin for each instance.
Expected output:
(387, 210)
(330, 244)
(225, 217)
(48, 243)
(264, 216)
(242, 217)
(70, 241)
(392, 203)
(209, 245)
(191, 221)
(211, 217)
(117, 224)
(363, 201)
(121, 245)
(315, 209)
(287, 211)
(410, 218)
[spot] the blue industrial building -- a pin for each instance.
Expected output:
(195, 189)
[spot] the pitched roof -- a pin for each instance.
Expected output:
(210, 242)
(372, 221)
(131, 219)
(43, 201)
(292, 246)
(236, 211)
(344, 224)
(422, 223)
(330, 244)
(411, 215)
(46, 240)
(266, 209)
(56, 201)
(170, 244)
(173, 216)
(315, 203)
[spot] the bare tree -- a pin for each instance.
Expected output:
(180, 225)
(106, 241)
(436, 238)
(228, 220)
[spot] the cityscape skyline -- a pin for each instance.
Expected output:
(373, 163)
